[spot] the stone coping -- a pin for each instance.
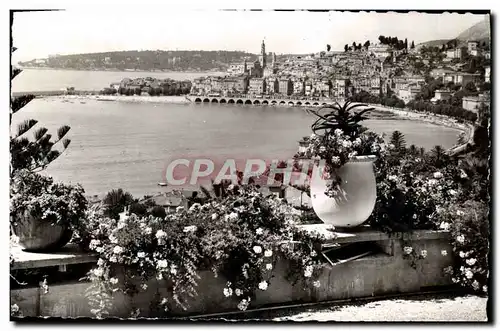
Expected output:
(71, 254)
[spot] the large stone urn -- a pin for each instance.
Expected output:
(36, 235)
(357, 195)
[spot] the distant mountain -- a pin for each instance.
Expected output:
(480, 32)
(144, 60)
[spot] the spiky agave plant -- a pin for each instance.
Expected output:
(340, 117)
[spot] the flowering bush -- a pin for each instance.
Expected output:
(341, 138)
(411, 195)
(46, 200)
(469, 226)
(238, 237)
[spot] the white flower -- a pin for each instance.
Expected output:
(148, 230)
(230, 187)
(313, 253)
(196, 206)
(475, 285)
(161, 234)
(233, 216)
(243, 305)
(113, 259)
(346, 143)
(463, 174)
(159, 276)
(357, 142)
(462, 254)
(316, 283)
(461, 239)
(173, 269)
(163, 301)
(432, 182)
(269, 266)
(227, 292)
(98, 272)
(162, 264)
(144, 287)
(485, 288)
(14, 308)
(238, 292)
(469, 274)
(118, 250)
(460, 213)
(471, 261)
(191, 228)
(268, 253)
(423, 253)
(322, 149)
(263, 285)
(408, 250)
(113, 280)
(338, 132)
(141, 255)
(308, 271)
(100, 262)
(259, 231)
(452, 192)
(257, 249)
(444, 226)
(393, 178)
(214, 216)
(444, 252)
(335, 159)
(454, 280)
(438, 175)
(94, 243)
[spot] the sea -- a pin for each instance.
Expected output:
(129, 144)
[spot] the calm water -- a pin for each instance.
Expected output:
(49, 80)
(127, 145)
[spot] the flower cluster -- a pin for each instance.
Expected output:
(409, 196)
(238, 237)
(42, 198)
(469, 227)
(337, 148)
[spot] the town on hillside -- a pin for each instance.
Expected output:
(390, 72)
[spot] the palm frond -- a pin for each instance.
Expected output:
(25, 126)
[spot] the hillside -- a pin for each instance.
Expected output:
(144, 60)
(480, 32)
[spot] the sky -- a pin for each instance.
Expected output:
(39, 34)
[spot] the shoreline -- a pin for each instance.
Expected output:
(118, 70)
(178, 99)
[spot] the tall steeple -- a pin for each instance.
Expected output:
(263, 54)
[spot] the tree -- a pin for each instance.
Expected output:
(36, 154)
(382, 39)
(328, 47)
(398, 140)
(470, 87)
(139, 209)
(158, 211)
(406, 43)
(354, 45)
(412, 44)
(438, 156)
(367, 44)
(346, 47)
(115, 201)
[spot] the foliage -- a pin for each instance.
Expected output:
(338, 137)
(46, 200)
(470, 232)
(238, 237)
(115, 201)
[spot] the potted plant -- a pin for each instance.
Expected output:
(345, 194)
(43, 213)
